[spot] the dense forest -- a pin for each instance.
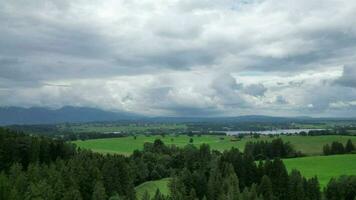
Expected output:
(276, 148)
(35, 167)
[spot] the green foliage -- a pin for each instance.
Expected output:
(4, 187)
(276, 148)
(343, 188)
(177, 189)
(265, 188)
(115, 197)
(313, 189)
(349, 146)
(47, 171)
(191, 140)
(295, 186)
(99, 191)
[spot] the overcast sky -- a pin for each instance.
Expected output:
(181, 57)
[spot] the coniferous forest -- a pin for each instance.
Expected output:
(34, 167)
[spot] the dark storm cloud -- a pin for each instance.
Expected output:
(257, 90)
(281, 100)
(348, 77)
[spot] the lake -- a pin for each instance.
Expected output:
(278, 131)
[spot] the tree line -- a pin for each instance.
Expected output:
(338, 148)
(276, 148)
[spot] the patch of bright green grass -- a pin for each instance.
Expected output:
(152, 186)
(310, 145)
(324, 167)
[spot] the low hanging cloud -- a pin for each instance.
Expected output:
(257, 90)
(181, 57)
(348, 78)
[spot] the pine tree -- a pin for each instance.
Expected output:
(4, 187)
(214, 184)
(56, 179)
(192, 195)
(295, 187)
(313, 189)
(200, 183)
(245, 194)
(39, 190)
(72, 194)
(265, 188)
(231, 184)
(186, 178)
(18, 181)
(15, 194)
(99, 191)
(337, 148)
(250, 170)
(279, 178)
(349, 146)
(327, 150)
(331, 190)
(253, 193)
(177, 189)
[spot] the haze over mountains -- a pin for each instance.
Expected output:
(41, 115)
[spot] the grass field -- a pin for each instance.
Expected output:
(310, 145)
(324, 167)
(151, 187)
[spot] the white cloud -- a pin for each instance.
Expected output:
(180, 57)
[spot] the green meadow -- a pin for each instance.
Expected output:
(151, 187)
(310, 145)
(324, 167)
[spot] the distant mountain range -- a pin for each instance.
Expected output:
(40, 115)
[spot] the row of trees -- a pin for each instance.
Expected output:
(84, 176)
(50, 169)
(25, 149)
(338, 148)
(276, 148)
(343, 187)
(221, 182)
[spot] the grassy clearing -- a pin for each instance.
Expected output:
(310, 145)
(324, 167)
(152, 186)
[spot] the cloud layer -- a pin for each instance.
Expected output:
(181, 57)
